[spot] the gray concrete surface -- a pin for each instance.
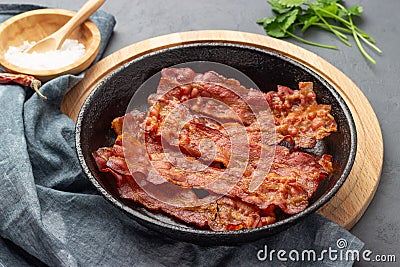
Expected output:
(137, 20)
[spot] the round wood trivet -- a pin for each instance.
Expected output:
(351, 201)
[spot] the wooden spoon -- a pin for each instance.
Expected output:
(55, 40)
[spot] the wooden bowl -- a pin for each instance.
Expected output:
(37, 24)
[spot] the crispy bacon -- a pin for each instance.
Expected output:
(211, 100)
(201, 141)
(234, 214)
(131, 120)
(298, 114)
(292, 180)
(220, 215)
(172, 77)
(159, 158)
(101, 157)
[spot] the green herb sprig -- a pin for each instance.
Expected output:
(330, 15)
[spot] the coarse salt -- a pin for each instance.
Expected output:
(70, 52)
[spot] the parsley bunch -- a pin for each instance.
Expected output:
(330, 15)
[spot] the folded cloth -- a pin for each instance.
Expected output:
(51, 215)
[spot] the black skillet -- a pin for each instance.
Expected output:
(266, 69)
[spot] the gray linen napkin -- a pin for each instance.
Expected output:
(51, 215)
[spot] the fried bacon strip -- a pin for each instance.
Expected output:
(292, 180)
(165, 154)
(210, 100)
(192, 142)
(298, 114)
(220, 215)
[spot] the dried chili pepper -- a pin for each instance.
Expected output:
(22, 79)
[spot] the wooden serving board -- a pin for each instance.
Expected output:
(351, 201)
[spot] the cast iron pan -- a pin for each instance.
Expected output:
(267, 69)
